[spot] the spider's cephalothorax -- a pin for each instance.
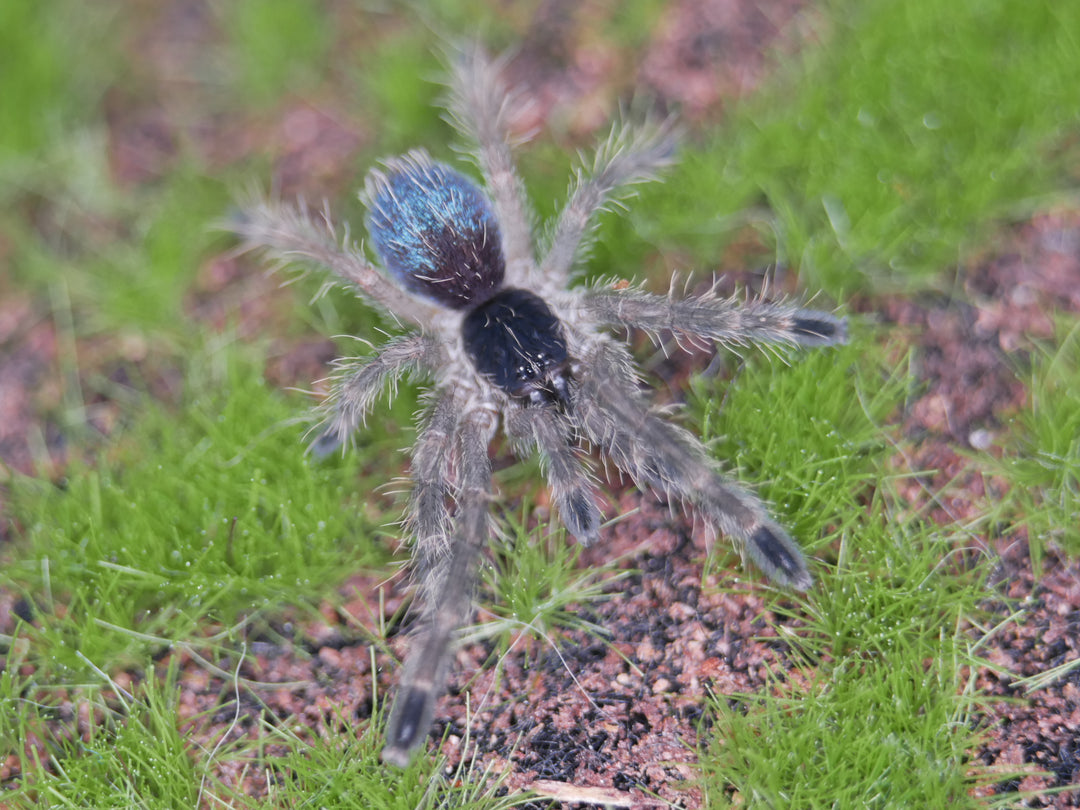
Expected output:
(502, 333)
(516, 342)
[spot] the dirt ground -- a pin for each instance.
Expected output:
(670, 634)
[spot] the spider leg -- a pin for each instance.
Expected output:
(610, 413)
(426, 666)
(479, 107)
(707, 318)
(428, 519)
(630, 155)
(360, 381)
(289, 235)
(571, 484)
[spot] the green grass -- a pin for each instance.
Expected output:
(877, 710)
(276, 47)
(133, 751)
(1043, 463)
(192, 519)
(345, 772)
(134, 757)
(878, 731)
(870, 163)
(537, 587)
(56, 60)
(877, 158)
(397, 80)
(807, 426)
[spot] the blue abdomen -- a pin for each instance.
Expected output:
(435, 231)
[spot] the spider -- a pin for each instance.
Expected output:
(504, 337)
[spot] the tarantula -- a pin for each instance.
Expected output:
(501, 334)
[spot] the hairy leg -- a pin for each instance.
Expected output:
(630, 155)
(708, 318)
(479, 105)
(610, 413)
(571, 485)
(428, 662)
(289, 235)
(358, 381)
(428, 518)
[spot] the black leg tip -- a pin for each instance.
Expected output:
(777, 555)
(818, 328)
(408, 722)
(581, 517)
(326, 443)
